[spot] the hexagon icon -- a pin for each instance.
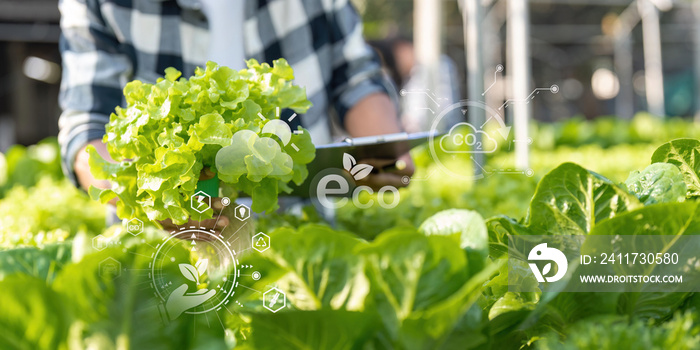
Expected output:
(200, 201)
(100, 242)
(110, 267)
(274, 299)
(134, 226)
(261, 242)
(242, 212)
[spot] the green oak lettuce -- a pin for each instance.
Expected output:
(51, 211)
(173, 129)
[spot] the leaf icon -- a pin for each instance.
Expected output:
(546, 268)
(190, 272)
(361, 171)
(348, 161)
(201, 266)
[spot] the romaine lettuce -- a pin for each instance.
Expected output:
(658, 183)
(685, 154)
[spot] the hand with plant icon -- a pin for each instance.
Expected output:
(179, 300)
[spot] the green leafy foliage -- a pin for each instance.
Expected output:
(657, 183)
(116, 307)
(33, 316)
(324, 274)
(498, 300)
(26, 166)
(423, 284)
(82, 305)
(666, 222)
(408, 290)
(173, 129)
(330, 329)
(685, 154)
(608, 333)
(466, 227)
(575, 201)
(569, 200)
(52, 211)
(41, 263)
(611, 131)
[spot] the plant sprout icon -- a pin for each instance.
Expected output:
(179, 300)
(192, 273)
(358, 171)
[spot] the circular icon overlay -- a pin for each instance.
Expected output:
(193, 271)
(453, 141)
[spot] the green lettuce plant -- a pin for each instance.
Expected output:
(221, 119)
(47, 213)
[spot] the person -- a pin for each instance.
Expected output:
(107, 43)
(399, 60)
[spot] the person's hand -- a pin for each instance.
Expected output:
(388, 172)
(376, 115)
(218, 222)
(180, 301)
(86, 179)
(81, 166)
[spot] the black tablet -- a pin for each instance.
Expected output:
(390, 146)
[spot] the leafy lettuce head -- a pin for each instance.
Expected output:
(174, 128)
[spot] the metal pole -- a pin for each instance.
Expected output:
(624, 59)
(493, 21)
(519, 66)
(653, 67)
(427, 48)
(472, 16)
(624, 103)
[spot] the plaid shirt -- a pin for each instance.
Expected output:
(107, 43)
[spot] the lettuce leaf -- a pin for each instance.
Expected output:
(569, 200)
(466, 227)
(657, 183)
(685, 154)
(414, 290)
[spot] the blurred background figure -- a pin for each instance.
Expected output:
(410, 77)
